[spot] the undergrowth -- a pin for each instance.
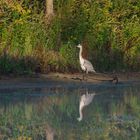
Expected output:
(31, 43)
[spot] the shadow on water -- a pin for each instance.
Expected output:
(105, 112)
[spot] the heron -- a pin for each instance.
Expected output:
(85, 64)
(85, 100)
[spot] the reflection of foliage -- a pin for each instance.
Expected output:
(133, 105)
(29, 118)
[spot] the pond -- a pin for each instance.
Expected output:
(78, 112)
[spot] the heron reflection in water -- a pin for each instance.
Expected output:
(85, 100)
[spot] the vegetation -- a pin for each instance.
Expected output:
(110, 116)
(32, 41)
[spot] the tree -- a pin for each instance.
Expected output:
(49, 8)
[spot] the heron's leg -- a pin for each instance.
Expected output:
(87, 73)
(84, 75)
(87, 76)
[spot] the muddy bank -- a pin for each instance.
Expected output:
(59, 80)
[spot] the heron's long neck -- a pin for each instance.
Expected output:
(80, 53)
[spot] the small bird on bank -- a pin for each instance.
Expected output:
(85, 64)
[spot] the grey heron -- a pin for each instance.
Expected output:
(85, 100)
(85, 64)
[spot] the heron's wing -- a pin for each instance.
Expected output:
(88, 65)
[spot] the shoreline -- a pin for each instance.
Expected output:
(69, 76)
(59, 80)
(76, 76)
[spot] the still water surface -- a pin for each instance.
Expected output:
(82, 113)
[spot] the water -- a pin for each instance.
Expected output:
(109, 112)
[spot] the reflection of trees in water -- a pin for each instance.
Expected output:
(46, 112)
(39, 115)
(113, 116)
(129, 104)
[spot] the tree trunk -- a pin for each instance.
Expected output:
(49, 8)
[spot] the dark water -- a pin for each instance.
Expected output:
(109, 112)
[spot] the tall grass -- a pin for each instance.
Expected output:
(110, 28)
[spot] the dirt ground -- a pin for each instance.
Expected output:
(61, 79)
(96, 78)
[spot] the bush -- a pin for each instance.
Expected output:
(68, 52)
(111, 29)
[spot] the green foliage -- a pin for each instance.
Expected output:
(68, 52)
(111, 29)
(17, 65)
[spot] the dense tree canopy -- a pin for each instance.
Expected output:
(108, 29)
